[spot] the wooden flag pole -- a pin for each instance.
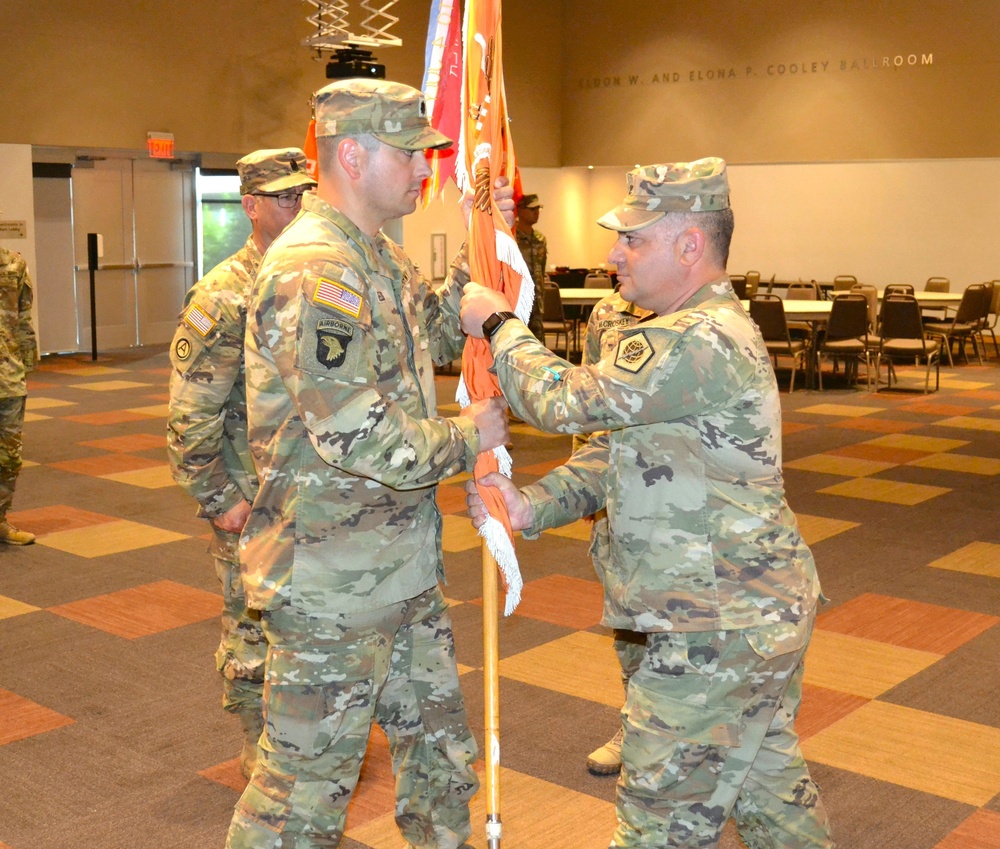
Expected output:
(491, 698)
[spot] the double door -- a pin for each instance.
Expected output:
(144, 211)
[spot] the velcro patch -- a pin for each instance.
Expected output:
(332, 338)
(634, 351)
(338, 296)
(199, 320)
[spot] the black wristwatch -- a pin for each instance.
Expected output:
(492, 324)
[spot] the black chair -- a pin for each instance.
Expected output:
(901, 335)
(768, 313)
(844, 282)
(846, 336)
(554, 320)
(739, 282)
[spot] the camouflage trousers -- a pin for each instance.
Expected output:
(709, 733)
(630, 648)
(329, 676)
(242, 649)
(11, 426)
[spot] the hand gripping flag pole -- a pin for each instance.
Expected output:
(485, 153)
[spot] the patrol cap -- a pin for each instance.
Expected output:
(273, 170)
(529, 202)
(394, 113)
(655, 190)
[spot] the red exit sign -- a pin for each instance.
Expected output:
(160, 145)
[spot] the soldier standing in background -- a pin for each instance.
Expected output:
(342, 550)
(207, 419)
(535, 251)
(705, 554)
(19, 350)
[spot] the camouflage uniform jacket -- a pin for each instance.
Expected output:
(535, 251)
(690, 470)
(18, 345)
(342, 335)
(207, 421)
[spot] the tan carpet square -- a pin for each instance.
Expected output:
(959, 463)
(110, 385)
(534, 813)
(860, 667)
(458, 534)
(892, 492)
(109, 538)
(845, 410)
(571, 665)
(580, 529)
(976, 558)
(830, 464)
(913, 442)
(155, 477)
(817, 528)
(956, 760)
(156, 411)
(971, 423)
(42, 403)
(12, 607)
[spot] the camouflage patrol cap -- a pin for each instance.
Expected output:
(655, 190)
(394, 113)
(273, 170)
(529, 202)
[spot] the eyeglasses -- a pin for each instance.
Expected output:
(286, 200)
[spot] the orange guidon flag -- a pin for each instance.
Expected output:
(486, 152)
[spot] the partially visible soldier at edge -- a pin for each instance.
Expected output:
(207, 420)
(535, 250)
(19, 350)
(343, 548)
(705, 555)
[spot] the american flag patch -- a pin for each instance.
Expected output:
(199, 320)
(339, 297)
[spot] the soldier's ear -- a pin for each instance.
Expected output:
(351, 155)
(250, 206)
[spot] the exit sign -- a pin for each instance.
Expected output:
(160, 145)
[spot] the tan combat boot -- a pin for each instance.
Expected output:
(253, 725)
(607, 760)
(13, 536)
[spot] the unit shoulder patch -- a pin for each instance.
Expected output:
(332, 338)
(634, 351)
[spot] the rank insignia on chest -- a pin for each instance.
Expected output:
(634, 351)
(199, 320)
(332, 338)
(331, 294)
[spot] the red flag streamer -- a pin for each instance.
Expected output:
(486, 152)
(310, 150)
(443, 91)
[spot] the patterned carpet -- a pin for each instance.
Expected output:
(111, 731)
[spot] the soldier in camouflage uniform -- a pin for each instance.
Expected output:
(535, 251)
(207, 422)
(609, 318)
(705, 555)
(20, 355)
(342, 551)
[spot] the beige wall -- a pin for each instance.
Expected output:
(780, 80)
(223, 77)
